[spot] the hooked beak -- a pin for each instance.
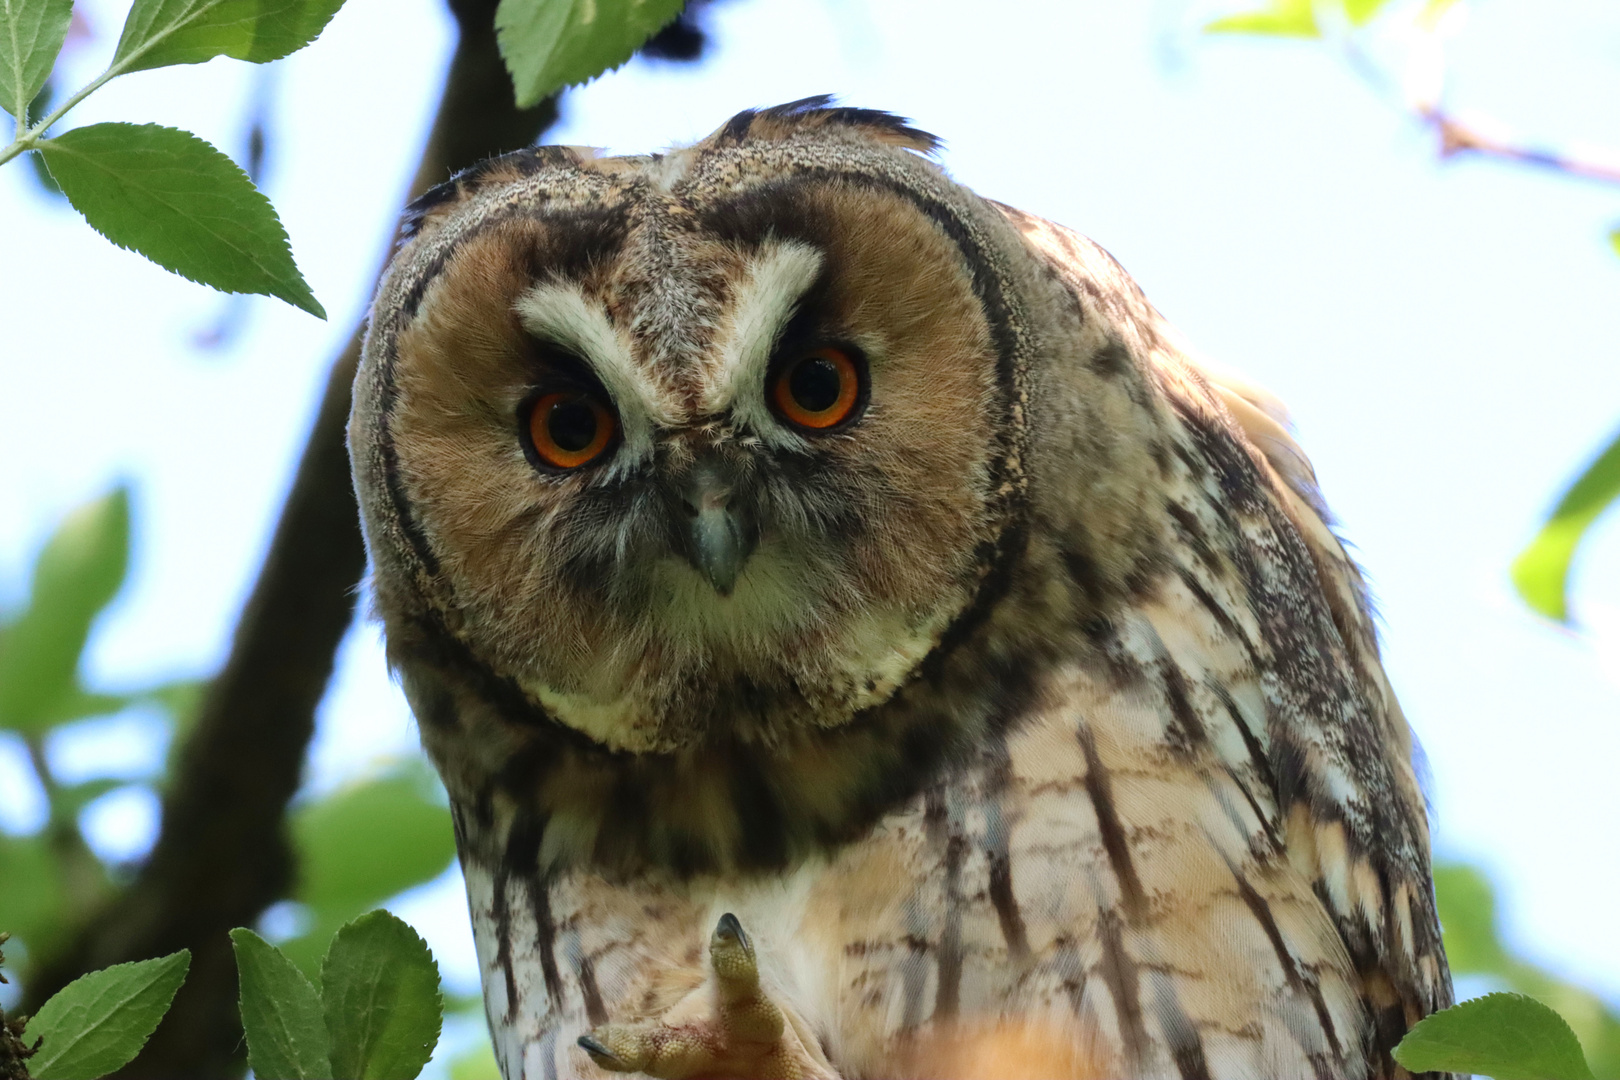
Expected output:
(719, 533)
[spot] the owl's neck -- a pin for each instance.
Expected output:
(534, 794)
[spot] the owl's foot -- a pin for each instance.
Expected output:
(726, 1028)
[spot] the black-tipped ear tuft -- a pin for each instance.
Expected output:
(818, 112)
(502, 169)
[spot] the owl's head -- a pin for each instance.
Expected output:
(727, 440)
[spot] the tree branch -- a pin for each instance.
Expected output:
(1453, 136)
(1458, 138)
(222, 855)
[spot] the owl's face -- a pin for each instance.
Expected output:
(695, 455)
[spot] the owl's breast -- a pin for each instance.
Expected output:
(1098, 874)
(1096, 880)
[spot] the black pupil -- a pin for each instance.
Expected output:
(572, 424)
(816, 384)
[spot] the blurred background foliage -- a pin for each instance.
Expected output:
(1414, 77)
(357, 847)
(1482, 964)
(1413, 74)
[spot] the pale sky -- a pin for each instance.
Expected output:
(1444, 334)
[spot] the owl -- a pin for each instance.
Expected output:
(859, 639)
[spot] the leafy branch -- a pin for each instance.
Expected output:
(178, 200)
(375, 1011)
(359, 846)
(159, 191)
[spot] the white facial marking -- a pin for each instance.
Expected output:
(558, 313)
(767, 299)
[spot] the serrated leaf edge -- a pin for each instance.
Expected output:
(182, 960)
(310, 304)
(528, 99)
(371, 987)
(128, 62)
(1454, 1011)
(280, 1018)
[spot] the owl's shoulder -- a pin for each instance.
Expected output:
(1200, 393)
(1253, 619)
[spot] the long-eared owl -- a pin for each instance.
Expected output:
(859, 640)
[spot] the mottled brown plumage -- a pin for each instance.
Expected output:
(1030, 712)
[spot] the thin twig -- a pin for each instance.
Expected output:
(1457, 138)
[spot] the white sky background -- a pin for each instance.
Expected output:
(1444, 334)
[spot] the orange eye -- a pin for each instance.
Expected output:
(820, 390)
(570, 429)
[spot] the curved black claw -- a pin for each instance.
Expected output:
(602, 1054)
(731, 927)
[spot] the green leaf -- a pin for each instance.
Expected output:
(550, 44)
(77, 574)
(79, 704)
(1468, 917)
(281, 1013)
(1505, 1036)
(84, 703)
(366, 843)
(97, 1023)
(1361, 12)
(181, 203)
(383, 1008)
(1614, 240)
(362, 845)
(1284, 18)
(31, 34)
(158, 33)
(1541, 572)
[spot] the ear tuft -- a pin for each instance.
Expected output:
(424, 210)
(819, 114)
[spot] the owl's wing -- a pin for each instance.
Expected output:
(1252, 543)
(1355, 814)
(1262, 419)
